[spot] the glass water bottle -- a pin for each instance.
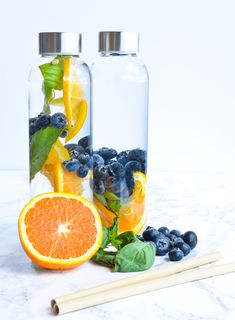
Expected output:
(60, 117)
(120, 130)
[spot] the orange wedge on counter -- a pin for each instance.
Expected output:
(74, 100)
(59, 231)
(132, 214)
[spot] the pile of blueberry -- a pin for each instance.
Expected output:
(113, 171)
(81, 157)
(43, 120)
(174, 243)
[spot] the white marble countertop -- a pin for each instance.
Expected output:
(202, 202)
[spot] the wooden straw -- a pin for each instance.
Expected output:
(143, 287)
(149, 275)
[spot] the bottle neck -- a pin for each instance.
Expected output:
(117, 54)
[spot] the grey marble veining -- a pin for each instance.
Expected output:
(202, 202)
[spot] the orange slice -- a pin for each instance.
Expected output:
(59, 231)
(61, 179)
(132, 214)
(74, 100)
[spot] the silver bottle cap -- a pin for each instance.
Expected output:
(122, 41)
(67, 43)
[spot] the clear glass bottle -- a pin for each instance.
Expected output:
(120, 128)
(60, 117)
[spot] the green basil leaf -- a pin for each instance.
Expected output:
(115, 205)
(53, 75)
(135, 256)
(124, 238)
(113, 231)
(40, 146)
(101, 199)
(111, 196)
(105, 237)
(105, 258)
(53, 80)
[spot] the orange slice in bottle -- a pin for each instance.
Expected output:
(74, 101)
(132, 214)
(61, 179)
(59, 231)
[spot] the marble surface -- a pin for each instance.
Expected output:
(202, 202)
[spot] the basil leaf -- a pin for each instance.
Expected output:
(40, 146)
(105, 237)
(135, 256)
(105, 258)
(113, 231)
(124, 238)
(53, 80)
(101, 199)
(111, 196)
(115, 205)
(53, 75)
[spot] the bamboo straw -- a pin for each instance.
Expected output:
(143, 287)
(149, 275)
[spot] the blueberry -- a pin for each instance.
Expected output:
(176, 254)
(88, 150)
(99, 187)
(114, 184)
(176, 241)
(138, 155)
(70, 146)
(130, 182)
(185, 248)
(58, 120)
(43, 121)
(150, 234)
(122, 157)
(106, 153)
(190, 238)
(117, 169)
(72, 165)
(162, 245)
(82, 171)
(172, 237)
(177, 233)
(85, 159)
(32, 129)
(110, 161)
(164, 230)
(149, 227)
(85, 142)
(76, 152)
(64, 133)
(140, 238)
(100, 172)
(97, 160)
(132, 166)
(144, 167)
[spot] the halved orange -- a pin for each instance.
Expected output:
(74, 99)
(59, 231)
(132, 213)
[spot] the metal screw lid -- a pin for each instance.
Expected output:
(67, 43)
(122, 41)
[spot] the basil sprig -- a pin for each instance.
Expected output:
(53, 80)
(124, 252)
(40, 146)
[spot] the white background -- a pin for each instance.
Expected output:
(188, 47)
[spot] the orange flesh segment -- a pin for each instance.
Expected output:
(68, 234)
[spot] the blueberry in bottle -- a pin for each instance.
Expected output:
(58, 120)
